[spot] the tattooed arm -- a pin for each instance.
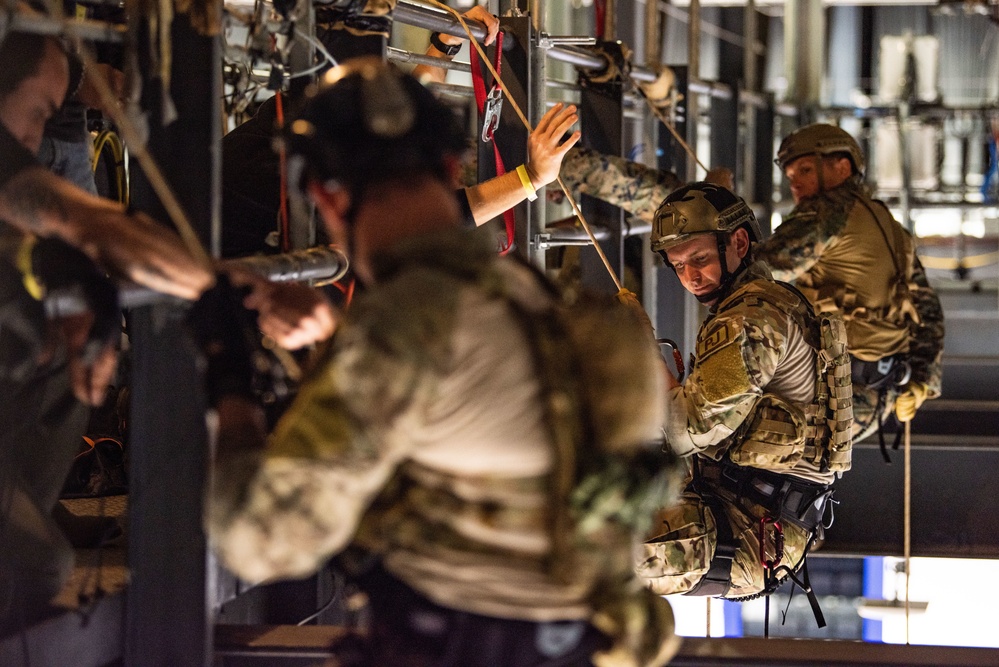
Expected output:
(128, 245)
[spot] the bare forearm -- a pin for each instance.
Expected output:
(39, 202)
(491, 198)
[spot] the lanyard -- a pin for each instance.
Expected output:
(490, 105)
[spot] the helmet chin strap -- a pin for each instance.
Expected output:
(727, 277)
(818, 172)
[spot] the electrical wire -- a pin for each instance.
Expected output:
(338, 584)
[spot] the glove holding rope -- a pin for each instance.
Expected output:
(909, 400)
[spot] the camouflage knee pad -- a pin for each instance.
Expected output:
(678, 553)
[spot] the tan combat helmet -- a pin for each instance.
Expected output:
(700, 208)
(821, 139)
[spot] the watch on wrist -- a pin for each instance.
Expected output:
(449, 50)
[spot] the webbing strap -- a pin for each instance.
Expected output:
(718, 579)
(489, 105)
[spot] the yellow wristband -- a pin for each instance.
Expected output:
(31, 283)
(525, 180)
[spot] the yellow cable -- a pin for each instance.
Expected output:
(111, 141)
(572, 201)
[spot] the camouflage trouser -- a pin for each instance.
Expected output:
(682, 543)
(865, 411)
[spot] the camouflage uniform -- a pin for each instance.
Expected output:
(438, 435)
(631, 186)
(830, 245)
(755, 366)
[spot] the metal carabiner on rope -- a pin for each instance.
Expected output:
(677, 356)
(778, 542)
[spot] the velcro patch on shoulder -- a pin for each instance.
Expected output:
(717, 337)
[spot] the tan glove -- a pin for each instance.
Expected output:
(629, 299)
(911, 398)
(722, 176)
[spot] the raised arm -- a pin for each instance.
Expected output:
(545, 151)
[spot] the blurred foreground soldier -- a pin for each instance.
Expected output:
(486, 475)
(59, 319)
(849, 256)
(764, 415)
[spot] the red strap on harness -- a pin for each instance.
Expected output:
(489, 105)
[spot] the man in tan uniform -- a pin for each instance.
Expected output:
(490, 471)
(849, 256)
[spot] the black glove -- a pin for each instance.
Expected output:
(237, 362)
(74, 284)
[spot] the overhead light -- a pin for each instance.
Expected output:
(879, 610)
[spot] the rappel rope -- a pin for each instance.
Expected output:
(568, 194)
(907, 521)
(669, 126)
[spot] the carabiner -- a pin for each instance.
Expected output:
(778, 542)
(491, 114)
(677, 357)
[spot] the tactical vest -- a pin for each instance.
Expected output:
(818, 433)
(871, 291)
(605, 482)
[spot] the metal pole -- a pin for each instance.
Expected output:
(691, 307)
(694, 75)
(537, 106)
(168, 618)
(401, 56)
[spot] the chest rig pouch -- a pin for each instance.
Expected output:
(780, 435)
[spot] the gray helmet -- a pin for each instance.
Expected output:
(367, 123)
(821, 139)
(700, 208)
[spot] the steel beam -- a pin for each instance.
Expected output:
(168, 620)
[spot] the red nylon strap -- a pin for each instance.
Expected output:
(479, 86)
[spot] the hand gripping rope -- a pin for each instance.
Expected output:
(520, 114)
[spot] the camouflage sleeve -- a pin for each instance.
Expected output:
(634, 187)
(799, 242)
(283, 512)
(926, 338)
(737, 356)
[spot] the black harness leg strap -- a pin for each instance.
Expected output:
(881, 426)
(813, 600)
(718, 579)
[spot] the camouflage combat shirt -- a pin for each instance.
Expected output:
(423, 438)
(802, 249)
(743, 352)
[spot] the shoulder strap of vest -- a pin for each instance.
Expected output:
(893, 249)
(785, 297)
